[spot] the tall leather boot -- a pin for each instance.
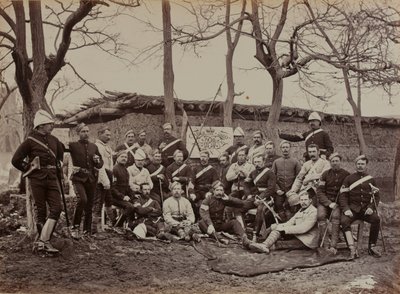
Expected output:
(335, 235)
(110, 215)
(350, 243)
(44, 240)
(322, 226)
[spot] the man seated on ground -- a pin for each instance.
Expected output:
(212, 213)
(204, 175)
(178, 213)
(120, 191)
(147, 219)
(328, 204)
(303, 225)
(308, 177)
(358, 200)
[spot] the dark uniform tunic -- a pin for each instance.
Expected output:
(148, 212)
(212, 213)
(155, 170)
(119, 189)
(184, 174)
(43, 182)
(358, 198)
(262, 182)
(171, 145)
(203, 180)
(221, 171)
(327, 192)
(329, 185)
(84, 179)
(233, 151)
(318, 137)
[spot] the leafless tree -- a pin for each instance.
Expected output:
(76, 25)
(354, 42)
(168, 70)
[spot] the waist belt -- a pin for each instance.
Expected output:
(81, 169)
(49, 167)
(179, 218)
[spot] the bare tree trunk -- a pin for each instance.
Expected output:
(356, 112)
(275, 110)
(230, 96)
(168, 76)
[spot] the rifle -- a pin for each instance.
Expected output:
(374, 191)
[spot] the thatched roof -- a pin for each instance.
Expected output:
(118, 104)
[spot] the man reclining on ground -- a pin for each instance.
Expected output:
(212, 213)
(303, 225)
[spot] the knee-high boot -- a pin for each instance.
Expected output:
(350, 243)
(45, 236)
(335, 235)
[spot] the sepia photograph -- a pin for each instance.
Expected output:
(200, 146)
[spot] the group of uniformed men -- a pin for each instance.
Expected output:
(159, 194)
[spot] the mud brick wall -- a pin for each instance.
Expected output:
(381, 140)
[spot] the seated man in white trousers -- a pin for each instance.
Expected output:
(303, 225)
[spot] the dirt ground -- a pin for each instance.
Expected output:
(119, 265)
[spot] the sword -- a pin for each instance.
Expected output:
(274, 214)
(374, 191)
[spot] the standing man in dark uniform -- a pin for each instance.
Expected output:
(180, 172)
(315, 135)
(129, 146)
(157, 175)
(327, 195)
(238, 145)
(169, 144)
(357, 202)
(86, 159)
(48, 150)
(204, 175)
(270, 155)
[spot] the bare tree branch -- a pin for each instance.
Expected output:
(91, 85)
